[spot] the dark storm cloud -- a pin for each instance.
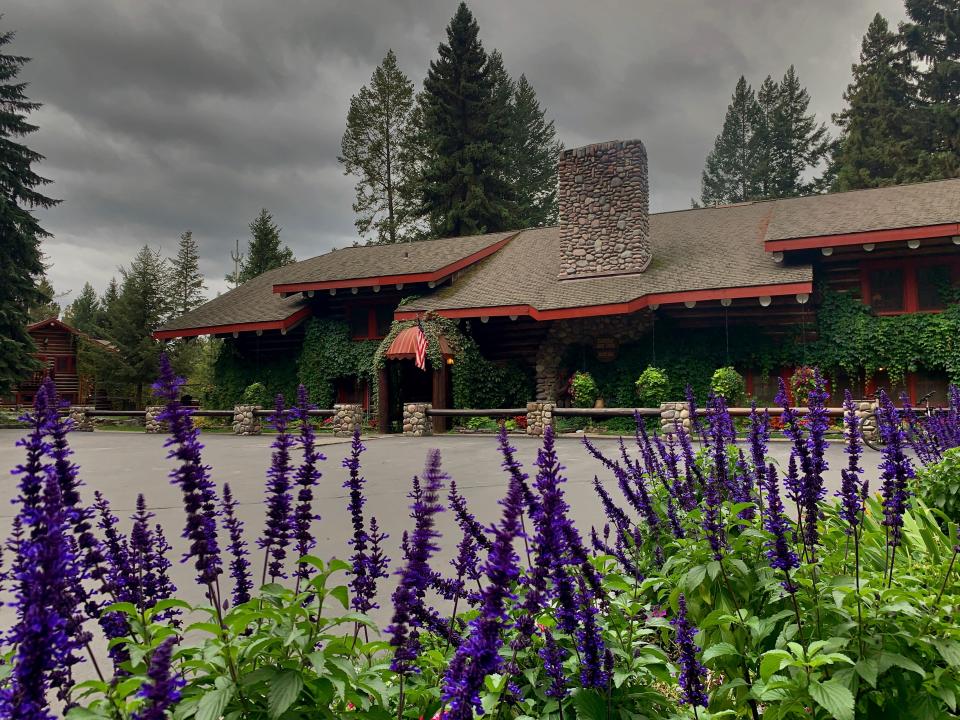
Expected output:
(162, 116)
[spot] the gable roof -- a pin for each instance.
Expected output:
(708, 253)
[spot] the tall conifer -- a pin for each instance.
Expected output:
(730, 172)
(21, 262)
(798, 142)
(186, 280)
(534, 155)
(265, 251)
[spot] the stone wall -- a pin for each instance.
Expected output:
(345, 418)
(150, 422)
(245, 422)
(604, 334)
(866, 411)
(604, 204)
(539, 417)
(81, 421)
(415, 420)
(671, 413)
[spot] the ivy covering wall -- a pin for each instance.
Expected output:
(329, 353)
(233, 372)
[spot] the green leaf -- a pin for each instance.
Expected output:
(772, 662)
(341, 593)
(719, 649)
(212, 704)
(833, 697)
(888, 660)
(867, 668)
(590, 705)
(949, 650)
(284, 690)
(693, 578)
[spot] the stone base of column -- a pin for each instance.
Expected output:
(346, 418)
(672, 413)
(81, 421)
(866, 411)
(415, 420)
(245, 421)
(539, 417)
(151, 423)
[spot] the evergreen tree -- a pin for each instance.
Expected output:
(762, 142)
(265, 251)
(377, 125)
(110, 296)
(85, 312)
(933, 36)
(45, 306)
(729, 175)
(534, 155)
(186, 280)
(877, 145)
(21, 262)
(463, 188)
(143, 305)
(798, 143)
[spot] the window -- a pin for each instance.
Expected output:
(359, 323)
(384, 319)
(370, 322)
(65, 364)
(886, 290)
(924, 284)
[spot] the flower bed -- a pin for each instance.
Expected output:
(701, 597)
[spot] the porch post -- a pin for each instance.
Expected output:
(346, 417)
(415, 420)
(383, 402)
(672, 413)
(440, 398)
(81, 421)
(866, 412)
(151, 423)
(539, 417)
(245, 422)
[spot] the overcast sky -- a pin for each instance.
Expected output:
(166, 115)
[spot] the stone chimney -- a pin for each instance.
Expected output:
(604, 210)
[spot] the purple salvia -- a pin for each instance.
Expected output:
(743, 487)
(162, 688)
(479, 655)
(553, 656)
(814, 490)
(33, 472)
(896, 470)
(713, 486)
(651, 462)
(192, 477)
(117, 583)
(758, 437)
(465, 519)
(377, 562)
(279, 525)
(361, 585)
(416, 576)
(630, 481)
(693, 476)
(696, 421)
(921, 433)
(306, 478)
(780, 552)
(239, 563)
(692, 672)
(164, 585)
(852, 492)
(514, 469)
(141, 556)
(671, 462)
(644, 504)
(590, 642)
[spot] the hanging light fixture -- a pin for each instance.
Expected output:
(726, 302)
(765, 300)
(690, 303)
(913, 244)
(802, 298)
(827, 251)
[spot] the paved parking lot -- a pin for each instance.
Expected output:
(123, 464)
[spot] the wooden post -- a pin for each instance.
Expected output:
(383, 402)
(440, 399)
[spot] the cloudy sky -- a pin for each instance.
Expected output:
(166, 115)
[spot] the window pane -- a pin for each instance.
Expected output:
(886, 290)
(933, 286)
(384, 320)
(359, 322)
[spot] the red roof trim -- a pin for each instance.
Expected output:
(53, 321)
(284, 324)
(872, 236)
(620, 308)
(399, 278)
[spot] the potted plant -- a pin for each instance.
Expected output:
(584, 390)
(728, 384)
(652, 387)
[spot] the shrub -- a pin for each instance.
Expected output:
(256, 394)
(653, 386)
(802, 383)
(728, 384)
(584, 390)
(938, 485)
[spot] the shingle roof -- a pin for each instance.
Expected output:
(372, 261)
(901, 206)
(703, 249)
(252, 302)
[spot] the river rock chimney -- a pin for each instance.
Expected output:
(604, 210)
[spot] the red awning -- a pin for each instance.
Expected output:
(404, 346)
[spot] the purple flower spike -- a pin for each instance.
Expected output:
(33, 472)
(590, 642)
(306, 478)
(192, 477)
(692, 671)
(162, 689)
(780, 552)
(467, 520)
(279, 526)
(239, 565)
(852, 492)
(896, 470)
(553, 656)
(361, 583)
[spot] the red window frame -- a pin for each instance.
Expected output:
(370, 309)
(911, 301)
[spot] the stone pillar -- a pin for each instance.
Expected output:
(347, 417)
(539, 417)
(671, 413)
(81, 421)
(866, 411)
(245, 421)
(150, 422)
(415, 420)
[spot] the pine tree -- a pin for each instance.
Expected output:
(264, 251)
(933, 37)
(877, 145)
(798, 143)
(534, 153)
(109, 297)
(762, 142)
(463, 188)
(187, 284)
(85, 312)
(21, 262)
(46, 305)
(729, 175)
(378, 123)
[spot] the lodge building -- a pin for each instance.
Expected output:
(610, 276)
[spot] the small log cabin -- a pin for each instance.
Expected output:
(611, 274)
(57, 345)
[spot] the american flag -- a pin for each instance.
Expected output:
(420, 358)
